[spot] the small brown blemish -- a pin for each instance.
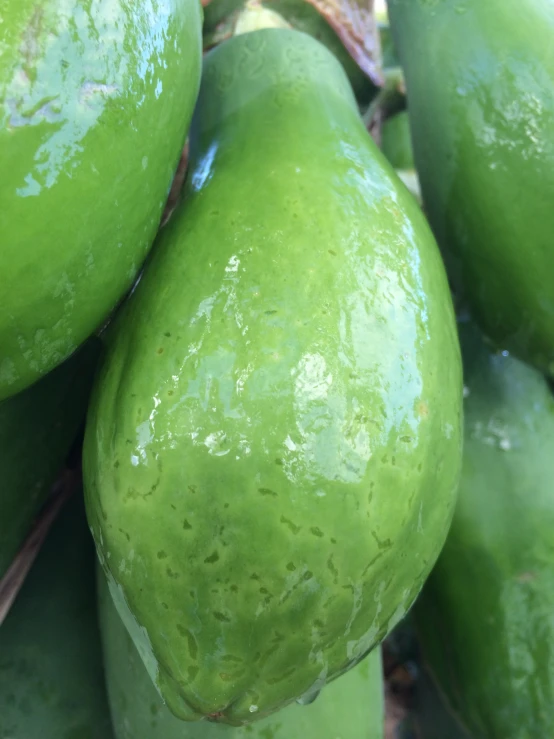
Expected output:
(423, 409)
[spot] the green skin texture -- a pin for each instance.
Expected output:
(486, 614)
(304, 17)
(95, 101)
(479, 78)
(51, 672)
(273, 444)
(350, 708)
(396, 143)
(37, 429)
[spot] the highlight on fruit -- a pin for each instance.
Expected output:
(276, 369)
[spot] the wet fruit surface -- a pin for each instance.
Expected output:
(95, 100)
(273, 447)
(480, 77)
(350, 708)
(485, 615)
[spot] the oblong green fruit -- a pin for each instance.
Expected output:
(95, 101)
(273, 446)
(486, 614)
(302, 16)
(51, 673)
(349, 708)
(480, 77)
(37, 428)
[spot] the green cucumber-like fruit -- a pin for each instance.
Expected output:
(480, 77)
(37, 428)
(351, 707)
(51, 672)
(486, 614)
(95, 101)
(273, 446)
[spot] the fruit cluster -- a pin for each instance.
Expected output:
(276, 328)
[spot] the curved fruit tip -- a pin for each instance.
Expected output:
(254, 16)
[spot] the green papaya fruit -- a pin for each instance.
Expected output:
(37, 428)
(480, 77)
(486, 615)
(51, 672)
(273, 444)
(349, 708)
(303, 16)
(95, 102)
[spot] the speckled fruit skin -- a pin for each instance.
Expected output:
(51, 674)
(350, 708)
(95, 101)
(486, 614)
(273, 444)
(302, 16)
(480, 77)
(37, 428)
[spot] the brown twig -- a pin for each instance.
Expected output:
(11, 583)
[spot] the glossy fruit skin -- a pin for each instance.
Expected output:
(51, 672)
(486, 614)
(95, 101)
(480, 78)
(37, 428)
(351, 707)
(273, 444)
